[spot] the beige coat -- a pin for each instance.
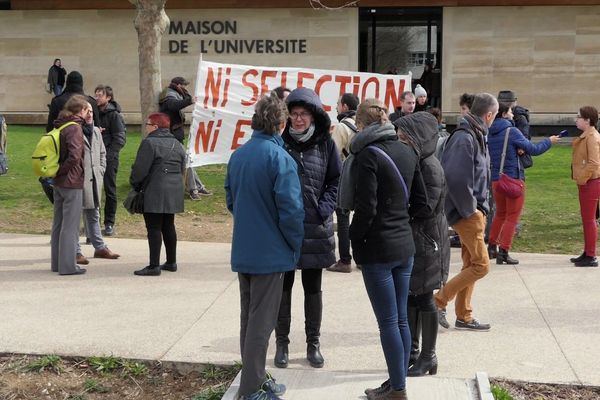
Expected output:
(94, 165)
(342, 136)
(586, 156)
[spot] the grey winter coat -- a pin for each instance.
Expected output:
(94, 165)
(428, 223)
(319, 167)
(160, 160)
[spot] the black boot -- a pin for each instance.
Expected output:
(415, 332)
(282, 330)
(427, 361)
(587, 261)
(313, 309)
(504, 258)
(492, 251)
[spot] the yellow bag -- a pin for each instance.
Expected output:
(47, 152)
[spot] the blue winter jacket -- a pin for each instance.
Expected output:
(264, 195)
(516, 141)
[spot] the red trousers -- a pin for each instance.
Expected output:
(506, 218)
(588, 202)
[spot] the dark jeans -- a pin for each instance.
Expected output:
(423, 302)
(343, 228)
(311, 280)
(260, 296)
(387, 286)
(110, 189)
(161, 227)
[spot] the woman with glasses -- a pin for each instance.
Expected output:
(158, 172)
(308, 141)
(508, 210)
(585, 169)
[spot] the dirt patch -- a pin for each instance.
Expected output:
(82, 379)
(545, 391)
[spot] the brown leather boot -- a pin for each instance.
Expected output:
(106, 253)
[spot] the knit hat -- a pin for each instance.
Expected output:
(74, 78)
(420, 91)
(507, 96)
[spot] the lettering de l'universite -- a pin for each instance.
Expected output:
(228, 46)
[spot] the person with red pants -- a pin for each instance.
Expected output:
(586, 172)
(508, 210)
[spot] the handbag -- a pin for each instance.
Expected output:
(3, 164)
(508, 186)
(134, 202)
(526, 160)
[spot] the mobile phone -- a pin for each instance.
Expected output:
(563, 133)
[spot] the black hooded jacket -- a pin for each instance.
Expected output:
(428, 222)
(74, 86)
(319, 167)
(114, 131)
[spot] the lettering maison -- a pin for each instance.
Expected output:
(203, 28)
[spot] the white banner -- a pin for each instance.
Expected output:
(227, 94)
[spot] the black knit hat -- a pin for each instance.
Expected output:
(74, 78)
(507, 96)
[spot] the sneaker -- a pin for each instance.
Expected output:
(269, 385)
(587, 261)
(169, 267)
(473, 325)
(340, 266)
(109, 230)
(261, 395)
(382, 389)
(195, 195)
(204, 192)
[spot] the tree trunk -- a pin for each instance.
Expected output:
(151, 21)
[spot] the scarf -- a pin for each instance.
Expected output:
(302, 136)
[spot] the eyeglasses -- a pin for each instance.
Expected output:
(302, 115)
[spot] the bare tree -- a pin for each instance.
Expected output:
(151, 22)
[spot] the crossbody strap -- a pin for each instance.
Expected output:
(501, 170)
(400, 178)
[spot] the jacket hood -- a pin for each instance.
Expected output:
(373, 133)
(111, 106)
(499, 125)
(61, 121)
(308, 99)
(422, 130)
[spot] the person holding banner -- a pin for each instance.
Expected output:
(308, 141)
(263, 191)
(173, 99)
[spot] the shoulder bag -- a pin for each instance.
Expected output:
(508, 186)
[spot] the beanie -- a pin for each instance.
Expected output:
(74, 78)
(420, 91)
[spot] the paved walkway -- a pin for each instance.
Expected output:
(545, 314)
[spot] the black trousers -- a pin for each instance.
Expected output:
(110, 189)
(311, 280)
(423, 302)
(343, 230)
(161, 227)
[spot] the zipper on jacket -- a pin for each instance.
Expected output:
(435, 245)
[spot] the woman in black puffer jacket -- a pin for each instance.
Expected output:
(308, 141)
(432, 245)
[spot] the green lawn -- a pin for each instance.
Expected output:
(25, 208)
(550, 223)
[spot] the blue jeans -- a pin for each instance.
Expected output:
(57, 90)
(387, 286)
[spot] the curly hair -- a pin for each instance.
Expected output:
(370, 111)
(269, 113)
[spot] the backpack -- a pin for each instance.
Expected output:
(47, 152)
(3, 159)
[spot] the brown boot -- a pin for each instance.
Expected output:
(106, 253)
(81, 260)
(340, 266)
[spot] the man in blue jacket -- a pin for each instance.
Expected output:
(466, 166)
(264, 195)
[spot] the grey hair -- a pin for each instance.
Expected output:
(484, 103)
(269, 113)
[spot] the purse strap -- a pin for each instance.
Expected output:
(501, 170)
(400, 178)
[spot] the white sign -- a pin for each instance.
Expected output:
(227, 94)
